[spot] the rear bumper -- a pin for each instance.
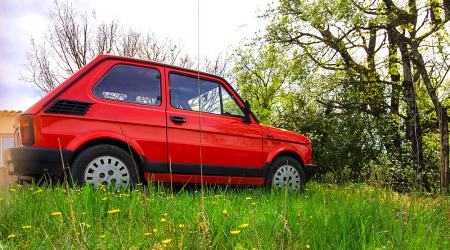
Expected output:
(30, 161)
(311, 170)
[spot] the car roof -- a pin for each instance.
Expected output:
(131, 59)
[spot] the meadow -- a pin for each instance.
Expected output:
(354, 216)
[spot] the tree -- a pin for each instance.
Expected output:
(354, 37)
(344, 140)
(74, 38)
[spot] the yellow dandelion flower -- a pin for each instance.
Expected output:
(254, 203)
(243, 225)
(165, 215)
(114, 211)
(26, 227)
(225, 212)
(56, 214)
(11, 236)
(248, 198)
(181, 226)
(308, 246)
(234, 232)
(163, 220)
(38, 191)
(166, 241)
(12, 190)
(155, 230)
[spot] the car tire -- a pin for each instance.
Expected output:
(286, 171)
(104, 164)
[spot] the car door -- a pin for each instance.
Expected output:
(227, 145)
(183, 137)
(230, 145)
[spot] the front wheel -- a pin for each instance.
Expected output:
(106, 165)
(286, 172)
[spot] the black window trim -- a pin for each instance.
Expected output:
(220, 93)
(135, 103)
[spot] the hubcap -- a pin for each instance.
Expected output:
(286, 175)
(107, 170)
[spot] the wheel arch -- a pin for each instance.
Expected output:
(284, 152)
(290, 154)
(115, 142)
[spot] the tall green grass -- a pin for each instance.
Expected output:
(324, 217)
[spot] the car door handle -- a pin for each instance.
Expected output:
(177, 119)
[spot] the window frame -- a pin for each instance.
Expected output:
(125, 102)
(2, 149)
(220, 85)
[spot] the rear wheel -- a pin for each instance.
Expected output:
(286, 172)
(107, 165)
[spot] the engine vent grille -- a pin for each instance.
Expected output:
(69, 107)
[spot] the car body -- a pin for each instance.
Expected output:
(151, 111)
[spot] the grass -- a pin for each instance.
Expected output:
(324, 217)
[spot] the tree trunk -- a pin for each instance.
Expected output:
(413, 120)
(444, 150)
(441, 114)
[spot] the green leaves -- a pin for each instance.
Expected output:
(265, 75)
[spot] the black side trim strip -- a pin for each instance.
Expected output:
(295, 142)
(180, 168)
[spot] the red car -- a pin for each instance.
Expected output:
(120, 121)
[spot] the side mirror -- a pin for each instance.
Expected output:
(247, 111)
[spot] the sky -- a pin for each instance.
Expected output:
(223, 24)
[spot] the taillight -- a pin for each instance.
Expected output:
(26, 130)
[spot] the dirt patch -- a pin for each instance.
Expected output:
(5, 179)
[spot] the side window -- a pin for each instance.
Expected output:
(230, 107)
(214, 99)
(183, 92)
(126, 83)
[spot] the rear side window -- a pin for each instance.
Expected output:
(133, 84)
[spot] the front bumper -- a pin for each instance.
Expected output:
(29, 161)
(311, 170)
